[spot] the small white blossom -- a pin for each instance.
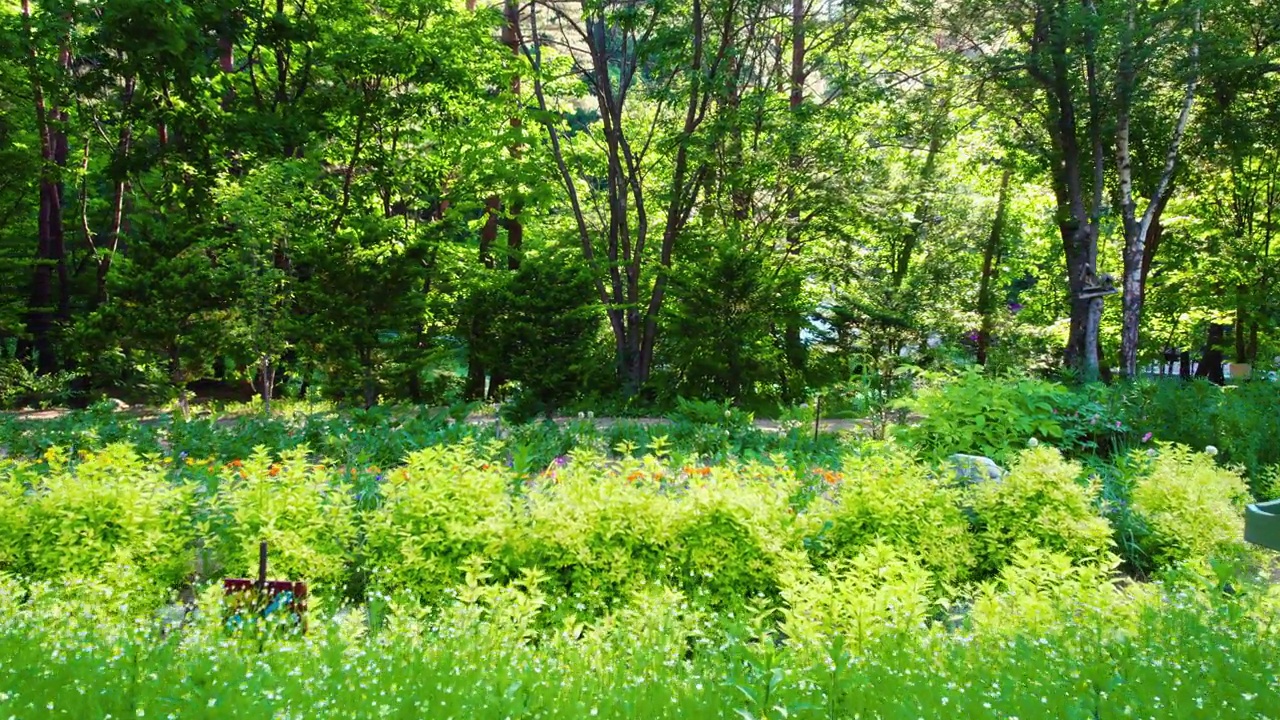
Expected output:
(1210, 450)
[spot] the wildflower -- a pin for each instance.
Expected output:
(582, 415)
(1147, 437)
(1210, 450)
(1117, 424)
(561, 461)
(1151, 453)
(591, 415)
(274, 471)
(236, 463)
(1014, 307)
(1033, 443)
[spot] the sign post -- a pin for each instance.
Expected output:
(263, 600)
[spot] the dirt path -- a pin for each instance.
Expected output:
(144, 415)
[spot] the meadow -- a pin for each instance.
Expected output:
(692, 569)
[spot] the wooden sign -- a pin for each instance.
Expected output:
(265, 601)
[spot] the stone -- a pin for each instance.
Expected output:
(973, 469)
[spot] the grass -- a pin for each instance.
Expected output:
(1178, 658)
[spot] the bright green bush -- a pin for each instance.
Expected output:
(1040, 499)
(304, 512)
(111, 509)
(1190, 506)
(1037, 585)
(598, 534)
(984, 415)
(13, 513)
(736, 534)
(890, 498)
(445, 506)
(882, 589)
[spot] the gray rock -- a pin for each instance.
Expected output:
(973, 469)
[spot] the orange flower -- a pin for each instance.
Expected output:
(374, 470)
(274, 471)
(236, 463)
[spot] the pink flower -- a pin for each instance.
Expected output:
(1146, 437)
(1117, 423)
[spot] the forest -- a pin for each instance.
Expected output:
(687, 359)
(625, 202)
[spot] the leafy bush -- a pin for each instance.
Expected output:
(890, 498)
(442, 508)
(1037, 585)
(111, 509)
(735, 535)
(1040, 499)
(983, 415)
(303, 511)
(1190, 506)
(859, 599)
(13, 513)
(1240, 420)
(597, 535)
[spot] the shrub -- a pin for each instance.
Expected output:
(736, 534)
(1189, 506)
(303, 511)
(443, 507)
(1041, 499)
(881, 589)
(1038, 585)
(113, 508)
(984, 415)
(13, 513)
(597, 535)
(890, 498)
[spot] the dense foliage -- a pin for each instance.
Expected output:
(610, 584)
(425, 200)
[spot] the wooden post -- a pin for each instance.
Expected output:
(262, 566)
(817, 416)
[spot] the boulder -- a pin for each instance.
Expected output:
(973, 469)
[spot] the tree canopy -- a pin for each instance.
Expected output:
(644, 199)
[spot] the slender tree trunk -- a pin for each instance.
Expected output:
(511, 39)
(50, 258)
(793, 347)
(1241, 323)
(990, 257)
(1138, 228)
(124, 143)
(919, 227)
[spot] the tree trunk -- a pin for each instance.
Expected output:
(990, 256)
(1081, 248)
(50, 255)
(1211, 361)
(1238, 332)
(793, 347)
(268, 372)
(511, 39)
(920, 225)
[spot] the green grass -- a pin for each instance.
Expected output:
(1177, 658)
